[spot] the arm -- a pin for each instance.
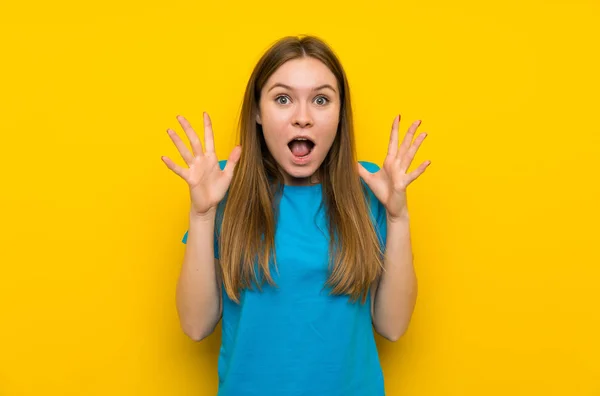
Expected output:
(395, 293)
(198, 295)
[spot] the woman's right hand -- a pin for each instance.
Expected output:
(208, 184)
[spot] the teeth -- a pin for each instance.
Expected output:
(301, 139)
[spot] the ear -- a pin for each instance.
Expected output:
(258, 119)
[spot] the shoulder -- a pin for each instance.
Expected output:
(375, 205)
(370, 166)
(222, 203)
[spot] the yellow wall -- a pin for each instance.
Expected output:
(505, 220)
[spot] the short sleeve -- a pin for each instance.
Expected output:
(216, 242)
(218, 218)
(378, 212)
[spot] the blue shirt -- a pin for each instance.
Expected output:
(295, 339)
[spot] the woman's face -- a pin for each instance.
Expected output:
(299, 114)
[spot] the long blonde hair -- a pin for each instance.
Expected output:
(247, 232)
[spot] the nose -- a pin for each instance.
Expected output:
(302, 117)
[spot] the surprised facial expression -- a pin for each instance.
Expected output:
(299, 114)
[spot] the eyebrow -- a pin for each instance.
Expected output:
(291, 89)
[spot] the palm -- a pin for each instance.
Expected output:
(390, 182)
(207, 182)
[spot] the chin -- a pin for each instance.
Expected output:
(303, 172)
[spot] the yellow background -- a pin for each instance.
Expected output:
(505, 221)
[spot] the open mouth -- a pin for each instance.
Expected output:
(301, 147)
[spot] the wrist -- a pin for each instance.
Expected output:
(208, 217)
(402, 217)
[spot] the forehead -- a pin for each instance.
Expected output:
(302, 74)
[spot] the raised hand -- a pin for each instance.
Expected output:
(390, 182)
(207, 183)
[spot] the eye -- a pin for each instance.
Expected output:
(281, 96)
(323, 98)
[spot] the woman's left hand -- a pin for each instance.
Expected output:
(390, 182)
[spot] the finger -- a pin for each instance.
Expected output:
(192, 136)
(181, 147)
(393, 146)
(412, 151)
(232, 161)
(174, 167)
(408, 138)
(412, 176)
(209, 142)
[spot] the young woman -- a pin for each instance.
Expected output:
(298, 247)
